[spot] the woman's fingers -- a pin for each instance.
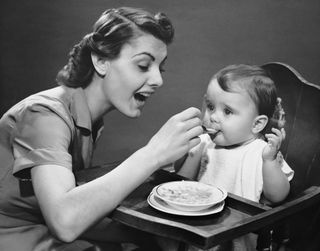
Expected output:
(194, 132)
(193, 142)
(192, 123)
(189, 113)
(188, 119)
(177, 136)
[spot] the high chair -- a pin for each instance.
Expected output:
(298, 228)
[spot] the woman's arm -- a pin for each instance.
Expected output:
(70, 210)
(275, 183)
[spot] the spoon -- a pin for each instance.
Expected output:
(210, 131)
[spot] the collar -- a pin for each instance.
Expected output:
(80, 110)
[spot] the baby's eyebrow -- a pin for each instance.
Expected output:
(229, 107)
(208, 101)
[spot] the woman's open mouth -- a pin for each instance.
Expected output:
(141, 97)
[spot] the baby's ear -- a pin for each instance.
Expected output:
(259, 123)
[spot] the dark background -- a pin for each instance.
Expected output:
(36, 36)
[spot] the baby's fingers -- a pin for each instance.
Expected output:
(283, 132)
(272, 139)
(280, 133)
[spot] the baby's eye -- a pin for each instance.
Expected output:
(210, 106)
(227, 111)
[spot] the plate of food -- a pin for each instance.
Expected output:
(162, 206)
(189, 196)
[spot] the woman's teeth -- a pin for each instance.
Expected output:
(142, 96)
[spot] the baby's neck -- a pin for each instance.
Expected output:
(239, 144)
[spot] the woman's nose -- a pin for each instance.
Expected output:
(155, 79)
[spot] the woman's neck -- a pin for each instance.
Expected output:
(98, 105)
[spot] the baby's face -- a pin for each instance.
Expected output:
(231, 113)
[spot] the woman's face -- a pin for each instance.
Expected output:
(135, 75)
(232, 114)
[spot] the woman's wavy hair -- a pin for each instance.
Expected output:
(112, 30)
(257, 83)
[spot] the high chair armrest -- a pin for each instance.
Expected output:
(306, 199)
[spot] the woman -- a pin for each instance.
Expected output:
(48, 136)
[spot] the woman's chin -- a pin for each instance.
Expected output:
(136, 113)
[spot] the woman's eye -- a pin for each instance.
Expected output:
(143, 67)
(161, 67)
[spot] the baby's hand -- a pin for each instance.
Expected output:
(274, 142)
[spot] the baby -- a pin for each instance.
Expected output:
(237, 152)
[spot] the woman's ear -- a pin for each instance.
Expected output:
(100, 64)
(259, 123)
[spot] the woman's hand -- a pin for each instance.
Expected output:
(176, 137)
(274, 142)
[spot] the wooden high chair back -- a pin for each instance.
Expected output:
(301, 103)
(301, 150)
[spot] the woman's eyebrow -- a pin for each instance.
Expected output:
(151, 56)
(145, 53)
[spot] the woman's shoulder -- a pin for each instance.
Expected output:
(55, 96)
(55, 101)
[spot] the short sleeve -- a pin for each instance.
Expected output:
(287, 170)
(41, 137)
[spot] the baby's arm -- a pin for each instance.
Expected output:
(275, 183)
(189, 166)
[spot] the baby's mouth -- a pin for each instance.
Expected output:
(211, 131)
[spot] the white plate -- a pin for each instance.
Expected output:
(162, 206)
(189, 195)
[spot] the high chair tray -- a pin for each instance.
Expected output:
(238, 217)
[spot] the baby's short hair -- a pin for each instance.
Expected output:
(252, 79)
